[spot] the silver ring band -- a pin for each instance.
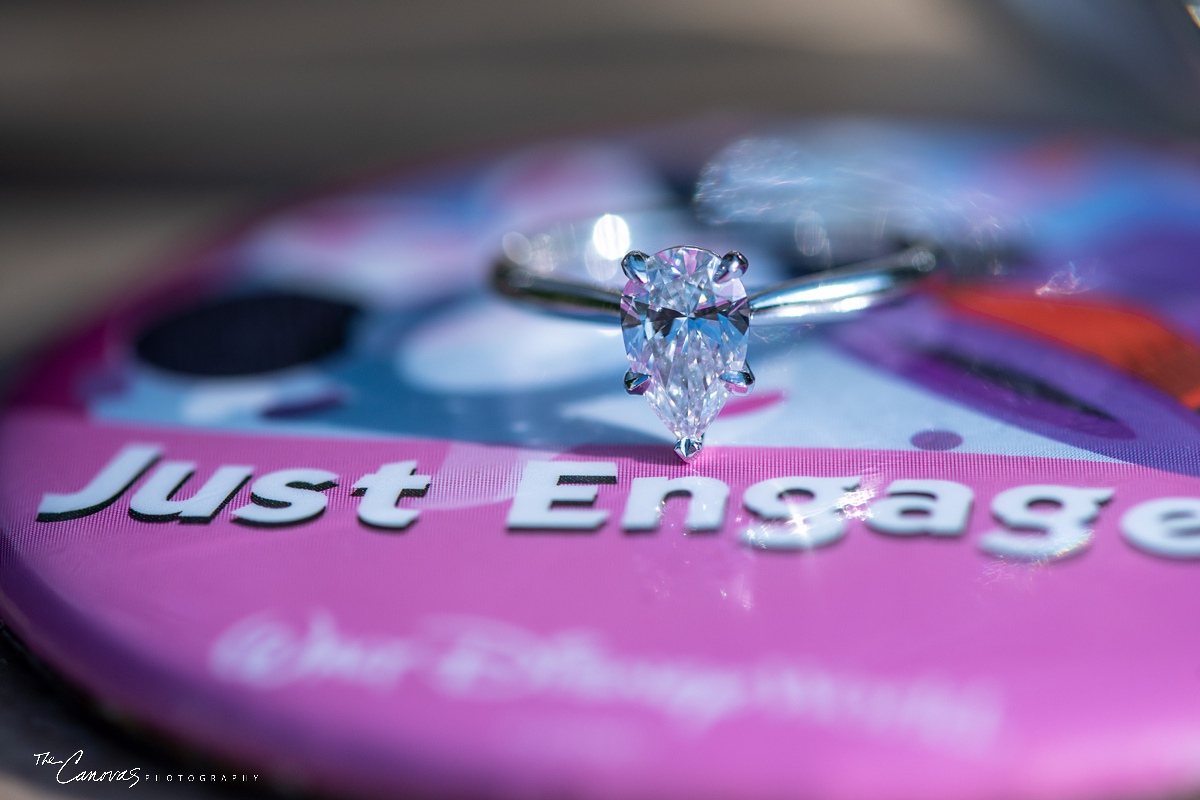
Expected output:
(812, 298)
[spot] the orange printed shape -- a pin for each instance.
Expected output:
(1129, 338)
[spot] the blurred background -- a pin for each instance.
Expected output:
(133, 130)
(128, 129)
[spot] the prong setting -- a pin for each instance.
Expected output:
(634, 266)
(689, 447)
(733, 265)
(739, 383)
(636, 382)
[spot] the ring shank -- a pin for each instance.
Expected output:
(564, 298)
(812, 298)
(845, 290)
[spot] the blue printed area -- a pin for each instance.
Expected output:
(829, 399)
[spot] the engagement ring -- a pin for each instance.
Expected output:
(685, 313)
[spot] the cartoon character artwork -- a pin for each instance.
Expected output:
(367, 313)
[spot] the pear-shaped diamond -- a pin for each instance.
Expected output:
(684, 316)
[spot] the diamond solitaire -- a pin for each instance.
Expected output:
(684, 316)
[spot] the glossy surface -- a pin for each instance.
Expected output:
(867, 592)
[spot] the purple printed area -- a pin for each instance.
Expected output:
(604, 664)
(1024, 381)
